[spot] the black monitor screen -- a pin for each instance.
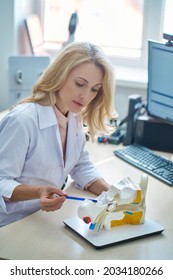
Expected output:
(160, 81)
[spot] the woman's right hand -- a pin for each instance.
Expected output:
(51, 198)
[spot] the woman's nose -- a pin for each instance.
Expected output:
(85, 95)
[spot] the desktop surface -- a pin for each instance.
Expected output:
(44, 236)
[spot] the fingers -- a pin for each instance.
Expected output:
(54, 190)
(51, 204)
(52, 198)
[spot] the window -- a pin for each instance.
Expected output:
(105, 23)
(121, 27)
(168, 18)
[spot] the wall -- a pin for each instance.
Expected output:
(15, 42)
(13, 37)
(129, 81)
(122, 99)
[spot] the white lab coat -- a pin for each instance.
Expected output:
(31, 154)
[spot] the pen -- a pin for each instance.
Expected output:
(80, 198)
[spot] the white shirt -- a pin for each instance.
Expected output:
(31, 154)
(63, 126)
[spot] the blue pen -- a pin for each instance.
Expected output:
(80, 198)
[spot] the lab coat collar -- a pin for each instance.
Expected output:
(46, 116)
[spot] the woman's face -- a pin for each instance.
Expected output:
(80, 88)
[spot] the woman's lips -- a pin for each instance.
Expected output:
(78, 103)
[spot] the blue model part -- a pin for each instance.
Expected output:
(92, 226)
(129, 213)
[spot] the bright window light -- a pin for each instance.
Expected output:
(121, 27)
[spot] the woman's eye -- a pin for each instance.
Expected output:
(79, 84)
(95, 90)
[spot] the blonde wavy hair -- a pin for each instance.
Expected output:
(100, 109)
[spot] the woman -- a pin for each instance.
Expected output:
(42, 139)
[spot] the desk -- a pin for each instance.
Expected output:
(44, 236)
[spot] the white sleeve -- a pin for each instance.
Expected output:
(14, 142)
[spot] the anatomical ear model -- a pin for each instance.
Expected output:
(121, 204)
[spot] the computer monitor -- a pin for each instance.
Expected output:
(160, 81)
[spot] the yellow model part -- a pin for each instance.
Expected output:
(132, 218)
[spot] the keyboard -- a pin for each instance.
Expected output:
(148, 161)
